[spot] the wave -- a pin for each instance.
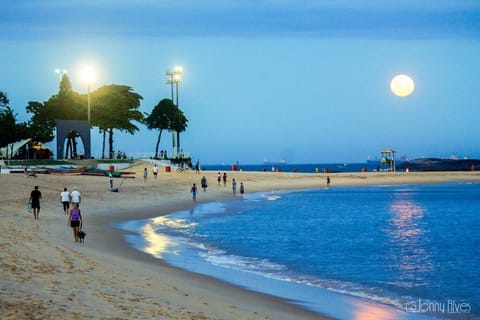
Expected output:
(275, 271)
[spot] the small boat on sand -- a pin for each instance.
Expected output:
(67, 171)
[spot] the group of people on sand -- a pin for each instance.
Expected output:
(220, 177)
(66, 198)
(74, 215)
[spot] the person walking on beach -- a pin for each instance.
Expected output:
(204, 183)
(194, 192)
(219, 178)
(145, 174)
(110, 179)
(155, 171)
(197, 167)
(224, 179)
(242, 189)
(75, 221)
(76, 197)
(35, 197)
(65, 199)
(328, 181)
(234, 186)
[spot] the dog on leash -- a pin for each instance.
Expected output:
(81, 236)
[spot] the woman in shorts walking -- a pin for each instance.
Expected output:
(75, 221)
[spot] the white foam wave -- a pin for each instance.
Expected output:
(276, 271)
(271, 196)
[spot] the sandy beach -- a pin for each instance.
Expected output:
(45, 275)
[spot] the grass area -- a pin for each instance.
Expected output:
(43, 162)
(116, 160)
(51, 162)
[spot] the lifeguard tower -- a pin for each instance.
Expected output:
(388, 160)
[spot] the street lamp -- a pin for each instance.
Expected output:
(60, 73)
(173, 78)
(88, 76)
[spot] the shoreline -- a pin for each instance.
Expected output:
(141, 281)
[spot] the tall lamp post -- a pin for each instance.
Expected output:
(88, 76)
(173, 78)
(60, 73)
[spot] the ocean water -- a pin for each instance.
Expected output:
(376, 252)
(298, 167)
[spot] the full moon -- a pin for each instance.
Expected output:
(402, 85)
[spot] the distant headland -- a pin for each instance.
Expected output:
(439, 164)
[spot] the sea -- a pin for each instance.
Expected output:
(370, 252)
(295, 167)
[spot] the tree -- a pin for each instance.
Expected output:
(7, 126)
(7, 121)
(115, 107)
(65, 105)
(10, 130)
(41, 124)
(161, 118)
(166, 116)
(179, 123)
(3, 100)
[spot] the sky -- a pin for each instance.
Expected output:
(294, 80)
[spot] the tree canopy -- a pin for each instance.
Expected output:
(10, 130)
(111, 107)
(115, 107)
(166, 116)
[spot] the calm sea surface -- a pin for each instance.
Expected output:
(394, 252)
(299, 167)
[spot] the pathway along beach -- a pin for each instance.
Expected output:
(46, 275)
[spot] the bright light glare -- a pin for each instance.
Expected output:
(178, 69)
(87, 74)
(61, 71)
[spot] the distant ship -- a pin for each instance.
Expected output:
(274, 162)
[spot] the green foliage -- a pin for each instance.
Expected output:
(10, 130)
(115, 107)
(43, 162)
(3, 100)
(161, 116)
(65, 105)
(166, 116)
(41, 124)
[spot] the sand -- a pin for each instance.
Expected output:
(45, 275)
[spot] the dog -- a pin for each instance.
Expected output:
(81, 236)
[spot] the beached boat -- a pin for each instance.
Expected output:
(92, 171)
(66, 171)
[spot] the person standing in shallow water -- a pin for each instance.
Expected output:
(328, 181)
(242, 189)
(35, 197)
(224, 179)
(219, 178)
(145, 174)
(234, 187)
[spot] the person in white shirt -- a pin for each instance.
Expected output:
(75, 196)
(65, 199)
(155, 171)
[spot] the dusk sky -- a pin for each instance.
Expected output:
(301, 81)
